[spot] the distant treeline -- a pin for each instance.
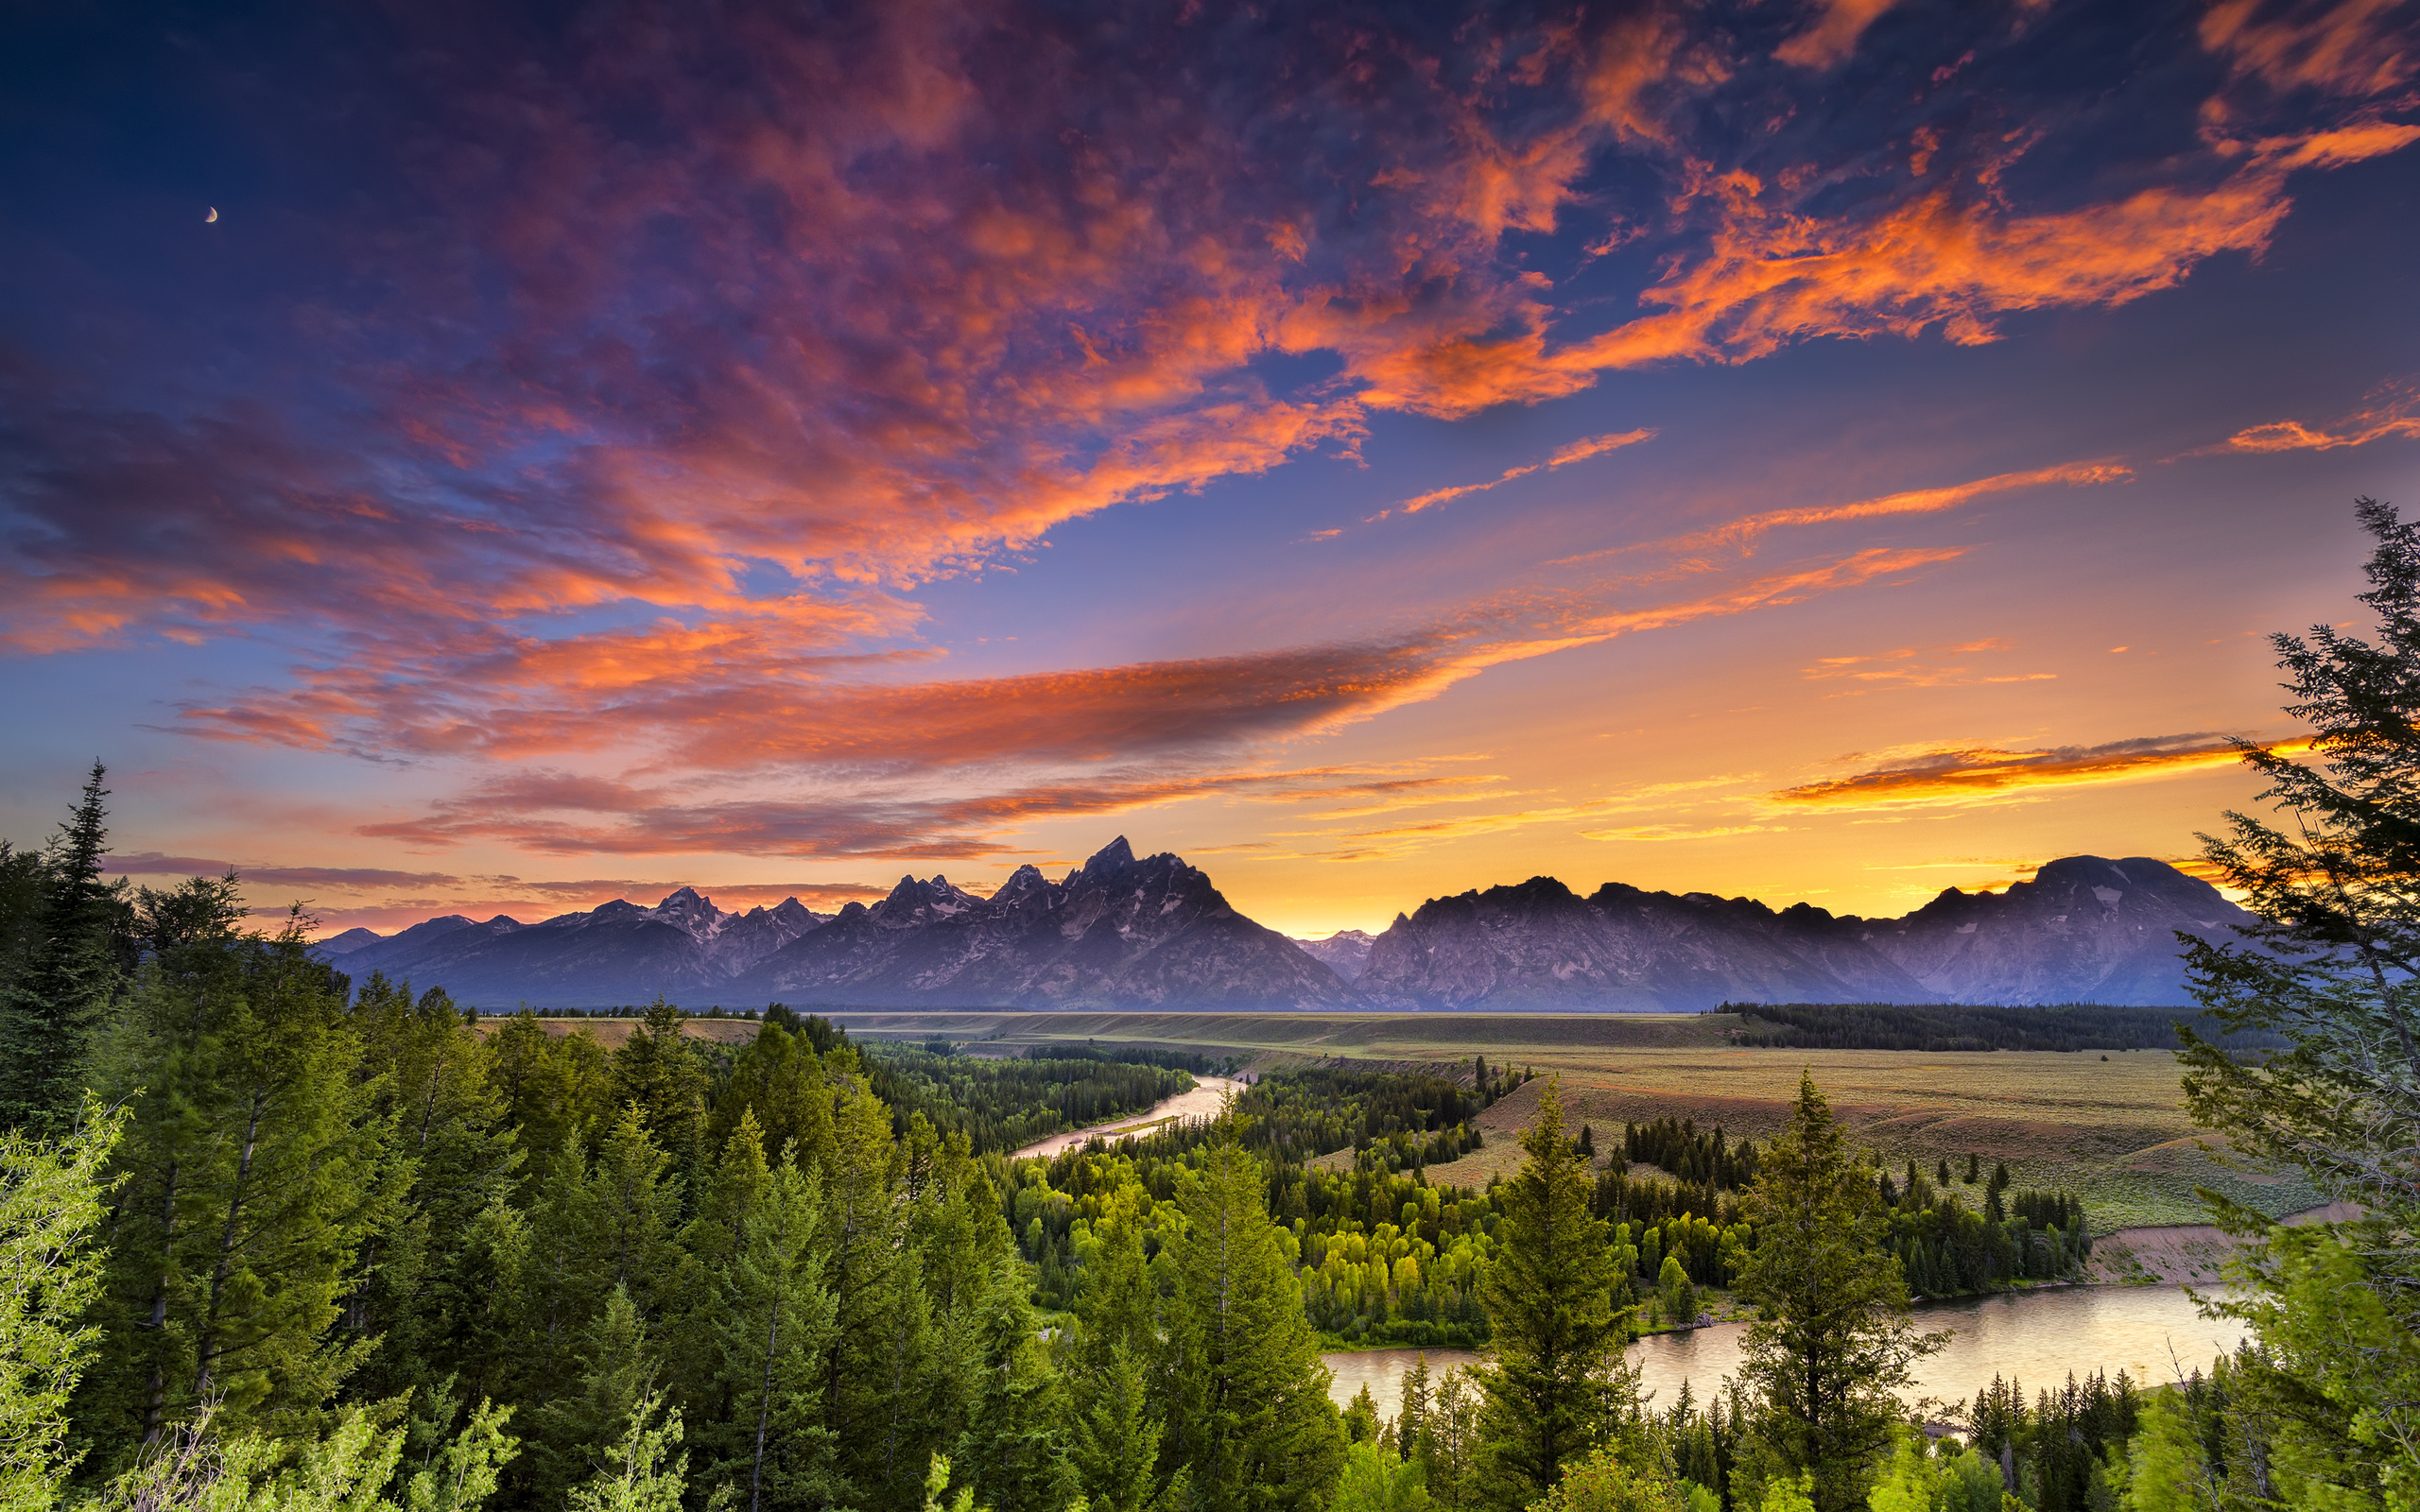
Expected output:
(1969, 1027)
(1192, 1060)
(1000, 1104)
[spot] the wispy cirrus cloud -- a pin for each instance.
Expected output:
(2390, 411)
(1743, 535)
(1962, 776)
(1578, 450)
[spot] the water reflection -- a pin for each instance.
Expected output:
(2036, 1339)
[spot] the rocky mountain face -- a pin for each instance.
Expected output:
(1344, 952)
(1123, 933)
(685, 948)
(1117, 932)
(2084, 930)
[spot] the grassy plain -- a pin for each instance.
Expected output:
(2112, 1130)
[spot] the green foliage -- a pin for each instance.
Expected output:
(65, 947)
(1832, 1338)
(2333, 969)
(639, 1472)
(352, 1470)
(1250, 1415)
(51, 1195)
(1674, 1295)
(1552, 1384)
(1374, 1479)
(1611, 1480)
(256, 1167)
(1361, 1418)
(1000, 1104)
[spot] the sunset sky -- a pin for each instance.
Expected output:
(1824, 452)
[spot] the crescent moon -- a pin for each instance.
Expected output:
(212, 216)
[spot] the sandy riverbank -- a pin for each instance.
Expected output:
(1208, 1095)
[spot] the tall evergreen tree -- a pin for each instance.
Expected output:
(1832, 1338)
(580, 1432)
(1551, 1384)
(428, 1284)
(1253, 1419)
(1116, 1437)
(257, 1168)
(1014, 1450)
(2334, 967)
(69, 969)
(763, 1322)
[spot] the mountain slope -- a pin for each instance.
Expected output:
(1121, 932)
(1345, 953)
(2085, 930)
(617, 954)
(1117, 932)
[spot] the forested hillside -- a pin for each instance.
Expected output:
(275, 1238)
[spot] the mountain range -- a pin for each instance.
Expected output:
(1121, 932)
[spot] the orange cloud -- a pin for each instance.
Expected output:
(1965, 776)
(1831, 36)
(2394, 411)
(1679, 831)
(2357, 48)
(1578, 450)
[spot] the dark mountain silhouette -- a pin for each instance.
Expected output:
(2085, 930)
(1115, 933)
(1126, 932)
(685, 948)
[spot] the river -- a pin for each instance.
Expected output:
(2035, 1337)
(1202, 1102)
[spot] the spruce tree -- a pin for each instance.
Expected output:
(1253, 1419)
(763, 1321)
(1832, 1338)
(1116, 1444)
(583, 1427)
(1551, 1384)
(2331, 966)
(428, 1284)
(1014, 1447)
(52, 1003)
(256, 1168)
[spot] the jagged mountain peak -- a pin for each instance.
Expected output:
(2086, 929)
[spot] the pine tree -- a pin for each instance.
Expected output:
(257, 1169)
(1412, 1419)
(1015, 1449)
(428, 1284)
(556, 1088)
(1361, 1418)
(1832, 1338)
(634, 1475)
(1451, 1446)
(1253, 1422)
(655, 1073)
(52, 1004)
(779, 1079)
(585, 1428)
(1550, 1384)
(1116, 1439)
(2331, 967)
(766, 1321)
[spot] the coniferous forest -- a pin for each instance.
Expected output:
(272, 1238)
